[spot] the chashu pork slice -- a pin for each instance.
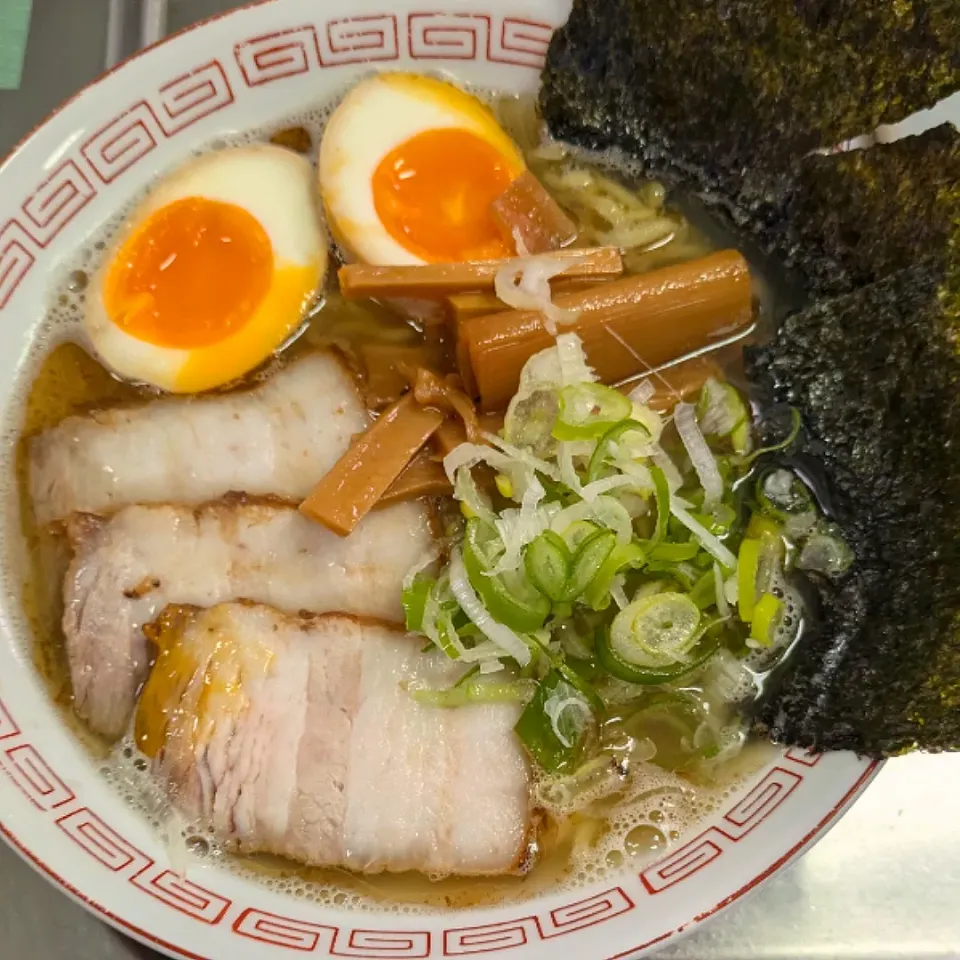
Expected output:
(279, 438)
(297, 736)
(126, 568)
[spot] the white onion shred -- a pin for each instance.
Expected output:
(617, 591)
(482, 652)
(524, 284)
(518, 455)
(701, 456)
(723, 607)
(555, 707)
(520, 466)
(730, 589)
(465, 490)
(707, 540)
(491, 666)
(642, 392)
(509, 642)
(427, 558)
(607, 511)
(572, 361)
(673, 476)
(591, 491)
(568, 471)
(517, 528)
(519, 243)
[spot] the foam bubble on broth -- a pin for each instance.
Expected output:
(660, 807)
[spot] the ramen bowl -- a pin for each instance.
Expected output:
(247, 71)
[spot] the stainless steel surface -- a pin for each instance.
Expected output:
(885, 883)
(153, 22)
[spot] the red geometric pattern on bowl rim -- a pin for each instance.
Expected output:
(116, 147)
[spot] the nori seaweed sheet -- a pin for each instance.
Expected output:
(856, 217)
(877, 376)
(729, 94)
(729, 98)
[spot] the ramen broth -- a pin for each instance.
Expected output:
(652, 808)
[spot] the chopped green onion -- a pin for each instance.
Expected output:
(748, 569)
(414, 600)
(788, 441)
(713, 545)
(473, 671)
(766, 617)
(522, 609)
(587, 410)
(720, 410)
(672, 719)
(673, 552)
(661, 490)
(761, 526)
(476, 691)
(547, 562)
(578, 531)
(588, 561)
(447, 638)
(704, 592)
(629, 556)
(574, 678)
(655, 631)
(606, 443)
(555, 723)
(720, 518)
(617, 667)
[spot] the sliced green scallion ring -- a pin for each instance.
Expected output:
(630, 556)
(587, 410)
(720, 409)
(607, 442)
(655, 631)
(616, 666)
(547, 562)
(522, 610)
(588, 561)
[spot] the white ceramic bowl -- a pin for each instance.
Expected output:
(239, 71)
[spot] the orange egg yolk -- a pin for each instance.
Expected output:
(433, 195)
(193, 274)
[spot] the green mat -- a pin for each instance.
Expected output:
(14, 26)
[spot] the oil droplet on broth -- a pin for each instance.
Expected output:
(198, 846)
(77, 281)
(643, 840)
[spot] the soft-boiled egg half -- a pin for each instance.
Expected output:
(409, 166)
(212, 272)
